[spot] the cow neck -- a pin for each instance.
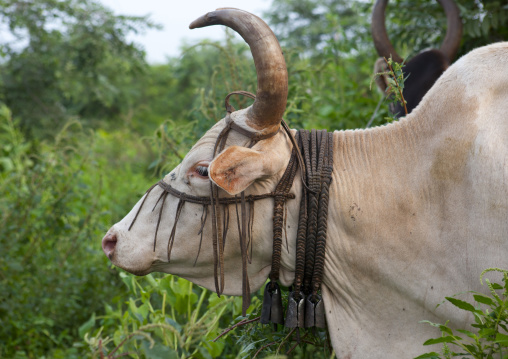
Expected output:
(305, 305)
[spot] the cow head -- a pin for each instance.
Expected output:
(422, 71)
(256, 170)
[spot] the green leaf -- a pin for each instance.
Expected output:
(461, 304)
(431, 355)
(477, 29)
(486, 332)
(468, 333)
(445, 329)
(158, 351)
(483, 299)
(485, 25)
(85, 328)
(501, 339)
(214, 349)
(143, 310)
(494, 20)
(447, 339)
(6, 164)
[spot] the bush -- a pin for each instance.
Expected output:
(490, 340)
(55, 205)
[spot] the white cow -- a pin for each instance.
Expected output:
(418, 208)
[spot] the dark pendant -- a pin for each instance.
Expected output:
(309, 312)
(271, 311)
(267, 305)
(314, 312)
(277, 315)
(295, 313)
(319, 313)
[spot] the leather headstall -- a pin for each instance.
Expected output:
(313, 153)
(220, 207)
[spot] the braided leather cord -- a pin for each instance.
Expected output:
(311, 154)
(282, 190)
(317, 149)
(301, 233)
(322, 226)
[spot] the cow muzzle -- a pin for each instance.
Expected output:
(108, 245)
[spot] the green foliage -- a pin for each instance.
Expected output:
(489, 339)
(66, 58)
(212, 70)
(412, 25)
(257, 340)
(310, 24)
(172, 318)
(330, 57)
(165, 317)
(415, 25)
(394, 78)
(55, 205)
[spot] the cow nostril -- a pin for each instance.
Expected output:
(109, 244)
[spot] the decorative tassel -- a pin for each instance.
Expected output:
(271, 311)
(319, 314)
(314, 312)
(296, 309)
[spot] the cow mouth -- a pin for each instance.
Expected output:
(110, 248)
(135, 271)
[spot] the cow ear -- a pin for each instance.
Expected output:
(381, 80)
(236, 168)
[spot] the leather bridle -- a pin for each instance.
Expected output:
(313, 153)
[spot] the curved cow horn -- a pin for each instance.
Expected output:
(272, 90)
(381, 41)
(450, 44)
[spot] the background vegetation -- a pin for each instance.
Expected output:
(86, 125)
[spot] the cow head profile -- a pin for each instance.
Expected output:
(421, 71)
(143, 247)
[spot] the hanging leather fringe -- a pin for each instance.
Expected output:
(313, 154)
(305, 305)
(271, 310)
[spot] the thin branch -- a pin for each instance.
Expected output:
(243, 322)
(287, 337)
(100, 349)
(263, 347)
(292, 348)
(121, 355)
(397, 84)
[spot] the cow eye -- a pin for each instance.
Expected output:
(201, 171)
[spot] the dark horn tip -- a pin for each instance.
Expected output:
(202, 21)
(210, 18)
